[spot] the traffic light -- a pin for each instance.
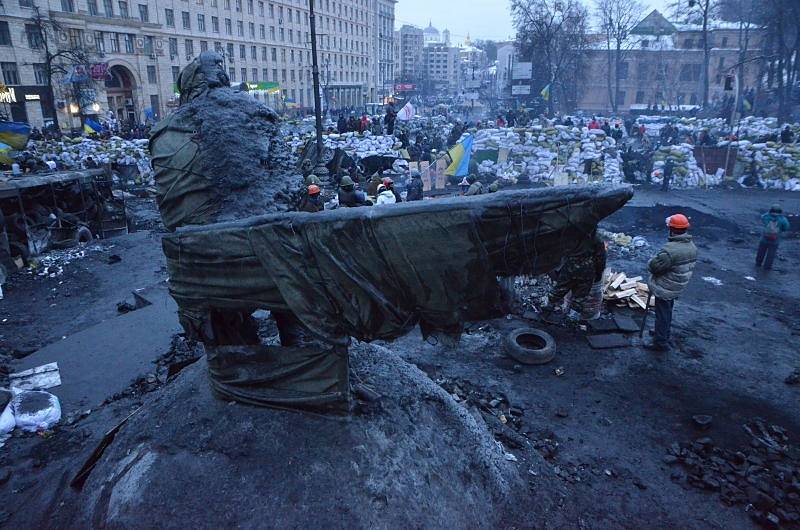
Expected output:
(729, 83)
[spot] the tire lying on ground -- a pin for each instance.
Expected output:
(530, 346)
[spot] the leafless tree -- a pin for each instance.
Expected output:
(554, 32)
(617, 20)
(782, 19)
(701, 13)
(59, 52)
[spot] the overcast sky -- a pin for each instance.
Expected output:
(481, 19)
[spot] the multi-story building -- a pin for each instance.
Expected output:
(663, 64)
(443, 69)
(411, 68)
(138, 47)
(384, 47)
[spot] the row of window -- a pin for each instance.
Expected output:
(294, 36)
(11, 73)
(359, 15)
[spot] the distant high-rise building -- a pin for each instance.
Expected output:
(412, 69)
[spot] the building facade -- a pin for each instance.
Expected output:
(663, 65)
(137, 48)
(411, 69)
(384, 48)
(443, 73)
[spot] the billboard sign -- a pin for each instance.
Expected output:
(522, 71)
(521, 90)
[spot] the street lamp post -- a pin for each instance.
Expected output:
(315, 72)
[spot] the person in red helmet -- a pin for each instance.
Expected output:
(312, 203)
(388, 183)
(670, 271)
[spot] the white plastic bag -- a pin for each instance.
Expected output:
(7, 422)
(35, 410)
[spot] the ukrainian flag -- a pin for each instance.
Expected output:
(545, 93)
(460, 154)
(92, 127)
(15, 134)
(6, 154)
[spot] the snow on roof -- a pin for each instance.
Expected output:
(715, 24)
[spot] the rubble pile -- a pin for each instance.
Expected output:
(72, 153)
(765, 477)
(504, 420)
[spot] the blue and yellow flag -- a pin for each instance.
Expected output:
(92, 127)
(545, 93)
(15, 134)
(6, 154)
(460, 154)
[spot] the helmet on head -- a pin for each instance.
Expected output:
(776, 208)
(311, 179)
(416, 174)
(678, 222)
(387, 181)
(313, 189)
(346, 181)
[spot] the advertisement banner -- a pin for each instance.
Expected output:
(522, 71)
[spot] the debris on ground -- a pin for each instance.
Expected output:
(764, 477)
(39, 378)
(623, 291)
(712, 280)
(35, 411)
(183, 352)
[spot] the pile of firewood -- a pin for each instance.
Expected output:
(626, 292)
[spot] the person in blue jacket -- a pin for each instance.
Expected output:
(775, 224)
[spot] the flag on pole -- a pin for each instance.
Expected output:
(92, 127)
(460, 154)
(406, 113)
(545, 93)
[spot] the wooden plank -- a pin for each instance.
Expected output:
(625, 294)
(638, 301)
(618, 280)
(635, 279)
(628, 285)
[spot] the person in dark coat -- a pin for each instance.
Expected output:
(341, 125)
(669, 166)
(775, 224)
(312, 202)
(389, 119)
(349, 196)
(415, 189)
(787, 136)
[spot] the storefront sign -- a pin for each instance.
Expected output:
(521, 90)
(405, 87)
(33, 97)
(8, 95)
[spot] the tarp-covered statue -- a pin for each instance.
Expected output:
(368, 273)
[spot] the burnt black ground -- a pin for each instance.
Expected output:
(614, 413)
